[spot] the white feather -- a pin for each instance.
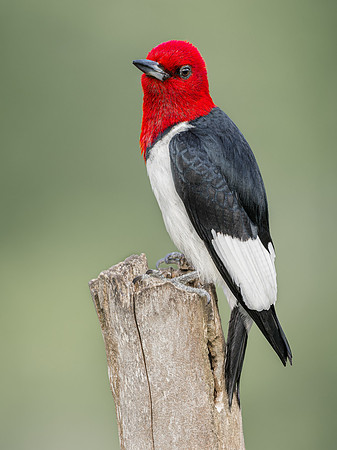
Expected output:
(251, 267)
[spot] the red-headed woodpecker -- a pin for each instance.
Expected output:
(211, 194)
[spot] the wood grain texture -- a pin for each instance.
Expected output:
(165, 352)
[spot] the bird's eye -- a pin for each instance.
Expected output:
(185, 72)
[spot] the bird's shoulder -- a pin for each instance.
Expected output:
(218, 142)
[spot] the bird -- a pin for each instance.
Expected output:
(209, 188)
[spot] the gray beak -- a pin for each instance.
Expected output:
(151, 68)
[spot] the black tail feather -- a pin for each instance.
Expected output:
(237, 338)
(236, 348)
(271, 328)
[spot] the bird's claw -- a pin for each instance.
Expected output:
(175, 258)
(182, 282)
(154, 273)
(147, 274)
(170, 258)
(190, 277)
(159, 263)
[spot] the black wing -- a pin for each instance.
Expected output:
(217, 177)
(213, 164)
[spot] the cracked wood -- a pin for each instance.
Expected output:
(165, 352)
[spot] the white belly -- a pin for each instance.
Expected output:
(173, 210)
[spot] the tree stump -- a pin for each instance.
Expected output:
(165, 352)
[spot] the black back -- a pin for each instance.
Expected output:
(218, 179)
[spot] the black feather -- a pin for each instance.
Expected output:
(236, 348)
(215, 170)
(271, 328)
(218, 179)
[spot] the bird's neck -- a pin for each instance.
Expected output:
(161, 111)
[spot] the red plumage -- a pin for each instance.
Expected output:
(175, 100)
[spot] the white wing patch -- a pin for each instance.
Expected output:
(251, 267)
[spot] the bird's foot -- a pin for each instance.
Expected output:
(175, 258)
(183, 282)
(149, 273)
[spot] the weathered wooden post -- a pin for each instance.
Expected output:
(165, 351)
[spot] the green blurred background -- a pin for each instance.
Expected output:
(76, 200)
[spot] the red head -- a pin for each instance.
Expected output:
(175, 88)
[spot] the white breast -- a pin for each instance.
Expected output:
(249, 264)
(175, 217)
